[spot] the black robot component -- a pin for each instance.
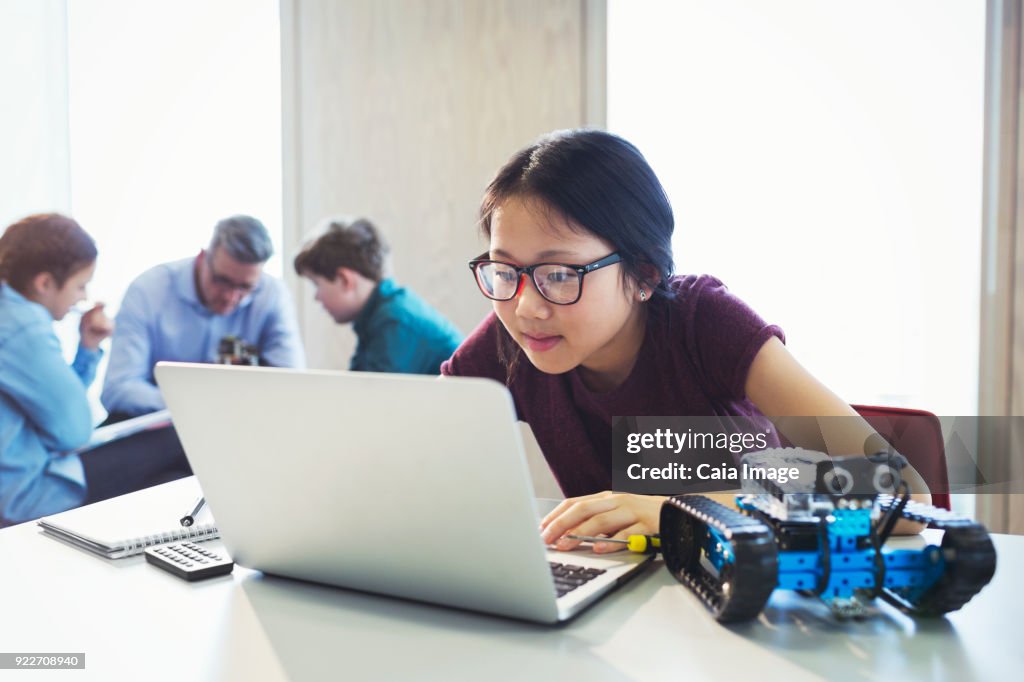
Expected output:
(234, 351)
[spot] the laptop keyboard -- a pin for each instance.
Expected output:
(569, 576)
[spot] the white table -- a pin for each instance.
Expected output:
(134, 621)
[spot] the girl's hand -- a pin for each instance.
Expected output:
(95, 327)
(615, 515)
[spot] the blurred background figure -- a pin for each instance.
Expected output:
(397, 330)
(46, 262)
(181, 311)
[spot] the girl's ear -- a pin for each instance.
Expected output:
(650, 278)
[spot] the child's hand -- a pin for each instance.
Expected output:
(95, 327)
(615, 515)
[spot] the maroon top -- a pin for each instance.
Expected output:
(696, 353)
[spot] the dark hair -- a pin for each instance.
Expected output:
(48, 242)
(243, 238)
(344, 244)
(600, 183)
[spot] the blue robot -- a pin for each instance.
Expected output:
(823, 533)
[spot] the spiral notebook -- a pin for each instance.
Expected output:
(127, 525)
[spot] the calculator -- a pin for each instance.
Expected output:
(189, 561)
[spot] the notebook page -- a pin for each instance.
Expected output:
(121, 521)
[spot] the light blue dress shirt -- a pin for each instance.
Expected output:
(44, 412)
(162, 318)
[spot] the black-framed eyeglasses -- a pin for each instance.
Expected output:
(559, 283)
(225, 282)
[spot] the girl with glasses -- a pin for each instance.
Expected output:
(590, 322)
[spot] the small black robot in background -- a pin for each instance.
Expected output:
(235, 351)
(824, 534)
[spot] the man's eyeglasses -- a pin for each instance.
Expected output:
(559, 283)
(225, 282)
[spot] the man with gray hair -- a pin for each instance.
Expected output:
(183, 310)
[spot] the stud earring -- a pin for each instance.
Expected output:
(643, 295)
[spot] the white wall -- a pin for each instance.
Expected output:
(402, 112)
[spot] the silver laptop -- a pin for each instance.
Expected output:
(403, 485)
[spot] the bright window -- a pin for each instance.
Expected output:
(175, 122)
(824, 160)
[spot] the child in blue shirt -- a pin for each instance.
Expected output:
(46, 261)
